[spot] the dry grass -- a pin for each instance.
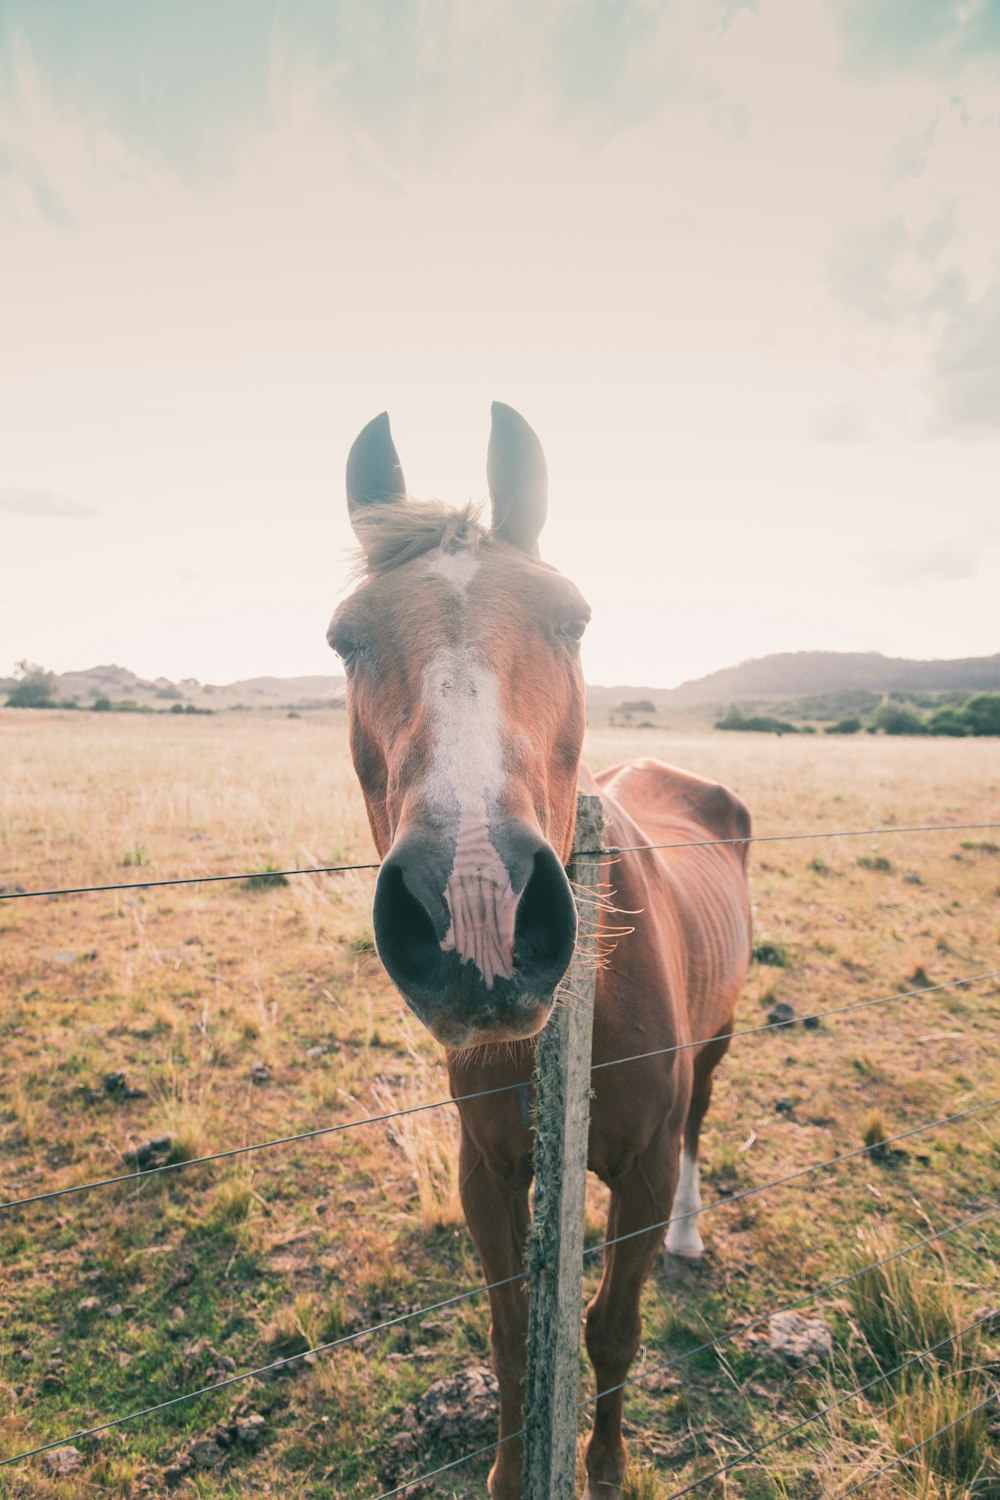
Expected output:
(186, 989)
(428, 1140)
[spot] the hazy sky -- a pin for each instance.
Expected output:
(739, 265)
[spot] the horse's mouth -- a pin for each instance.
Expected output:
(461, 1035)
(464, 1013)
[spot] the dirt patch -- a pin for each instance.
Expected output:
(455, 1415)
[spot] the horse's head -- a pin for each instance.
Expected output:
(466, 712)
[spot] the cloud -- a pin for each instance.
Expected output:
(965, 374)
(843, 423)
(16, 501)
(934, 36)
(912, 285)
(946, 560)
(892, 271)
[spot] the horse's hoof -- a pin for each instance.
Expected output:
(686, 1243)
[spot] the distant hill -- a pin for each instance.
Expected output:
(798, 673)
(807, 675)
(822, 684)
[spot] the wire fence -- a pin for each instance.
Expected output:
(414, 1315)
(155, 1170)
(612, 852)
(862, 1484)
(832, 1406)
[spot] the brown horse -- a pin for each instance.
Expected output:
(466, 713)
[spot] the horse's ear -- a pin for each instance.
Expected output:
(518, 478)
(374, 474)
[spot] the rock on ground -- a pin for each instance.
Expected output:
(797, 1341)
(59, 1461)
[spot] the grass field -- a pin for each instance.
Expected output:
(238, 1013)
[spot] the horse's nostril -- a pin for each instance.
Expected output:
(404, 932)
(545, 927)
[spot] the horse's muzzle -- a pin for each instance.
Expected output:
(476, 947)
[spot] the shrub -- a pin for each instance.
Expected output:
(875, 862)
(734, 718)
(948, 721)
(874, 1134)
(844, 726)
(35, 687)
(102, 705)
(892, 719)
(773, 953)
(982, 713)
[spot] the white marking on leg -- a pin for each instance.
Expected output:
(463, 698)
(683, 1235)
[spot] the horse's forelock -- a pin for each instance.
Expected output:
(393, 534)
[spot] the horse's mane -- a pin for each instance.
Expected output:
(394, 533)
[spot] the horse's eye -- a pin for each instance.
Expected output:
(346, 646)
(573, 629)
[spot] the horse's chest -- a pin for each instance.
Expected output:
(631, 1105)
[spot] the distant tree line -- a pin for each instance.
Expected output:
(35, 687)
(978, 715)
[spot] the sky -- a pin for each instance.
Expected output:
(737, 263)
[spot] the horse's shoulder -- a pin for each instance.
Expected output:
(659, 796)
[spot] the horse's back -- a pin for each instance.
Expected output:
(700, 882)
(665, 801)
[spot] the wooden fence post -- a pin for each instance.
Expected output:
(555, 1253)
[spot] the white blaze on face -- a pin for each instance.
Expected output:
(456, 568)
(462, 697)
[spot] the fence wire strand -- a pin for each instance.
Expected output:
(803, 1301)
(819, 1166)
(323, 1130)
(466, 1458)
(268, 1369)
(613, 851)
(149, 885)
(901, 1457)
(823, 1411)
(403, 1318)
(781, 838)
(142, 1173)
(816, 1015)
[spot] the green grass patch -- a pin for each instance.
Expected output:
(771, 951)
(265, 880)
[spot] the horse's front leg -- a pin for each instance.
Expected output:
(496, 1207)
(641, 1195)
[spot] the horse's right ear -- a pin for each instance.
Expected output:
(374, 474)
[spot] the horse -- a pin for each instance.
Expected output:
(466, 715)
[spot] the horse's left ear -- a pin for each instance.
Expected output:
(519, 479)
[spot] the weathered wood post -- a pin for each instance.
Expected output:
(555, 1253)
